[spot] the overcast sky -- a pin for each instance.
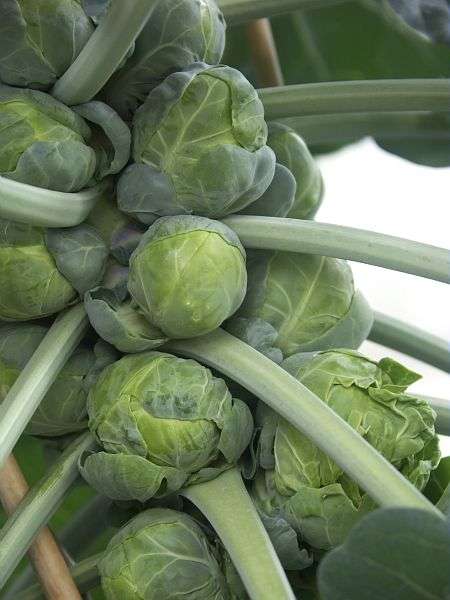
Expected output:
(371, 189)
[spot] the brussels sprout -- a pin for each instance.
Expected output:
(179, 33)
(188, 275)
(161, 554)
(46, 144)
(199, 146)
(307, 302)
(39, 40)
(163, 422)
(63, 409)
(42, 271)
(318, 499)
(292, 152)
(278, 199)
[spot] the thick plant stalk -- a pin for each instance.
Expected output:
(346, 127)
(240, 11)
(81, 531)
(442, 408)
(356, 96)
(323, 239)
(411, 340)
(85, 574)
(287, 396)
(264, 53)
(45, 555)
(36, 378)
(226, 504)
(38, 506)
(46, 208)
(104, 51)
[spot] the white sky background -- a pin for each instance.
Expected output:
(371, 189)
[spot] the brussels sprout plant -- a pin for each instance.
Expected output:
(154, 196)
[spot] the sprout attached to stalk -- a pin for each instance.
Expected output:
(63, 409)
(177, 34)
(199, 146)
(300, 303)
(311, 491)
(186, 277)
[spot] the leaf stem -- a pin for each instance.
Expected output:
(411, 340)
(240, 11)
(47, 208)
(36, 378)
(226, 504)
(296, 403)
(348, 127)
(323, 239)
(38, 506)
(85, 574)
(104, 51)
(45, 554)
(356, 96)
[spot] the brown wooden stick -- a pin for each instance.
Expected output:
(264, 53)
(45, 555)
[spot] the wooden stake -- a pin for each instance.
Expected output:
(264, 53)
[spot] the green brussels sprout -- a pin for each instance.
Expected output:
(39, 40)
(179, 33)
(300, 303)
(46, 144)
(163, 423)
(188, 275)
(292, 152)
(317, 498)
(199, 146)
(162, 554)
(63, 409)
(278, 199)
(43, 271)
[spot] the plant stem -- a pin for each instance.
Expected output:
(227, 506)
(104, 51)
(85, 574)
(296, 403)
(36, 378)
(323, 239)
(38, 506)
(264, 53)
(356, 96)
(44, 553)
(47, 208)
(442, 408)
(347, 127)
(410, 340)
(239, 11)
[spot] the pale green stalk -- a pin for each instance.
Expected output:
(323, 239)
(38, 506)
(287, 396)
(39, 374)
(347, 127)
(240, 11)
(46, 208)
(356, 96)
(104, 51)
(85, 574)
(411, 340)
(226, 504)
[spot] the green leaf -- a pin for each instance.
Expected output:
(394, 554)
(439, 485)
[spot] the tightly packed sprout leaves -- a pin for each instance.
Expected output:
(303, 486)
(63, 409)
(162, 553)
(163, 423)
(183, 140)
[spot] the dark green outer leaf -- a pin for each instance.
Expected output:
(439, 482)
(279, 197)
(394, 554)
